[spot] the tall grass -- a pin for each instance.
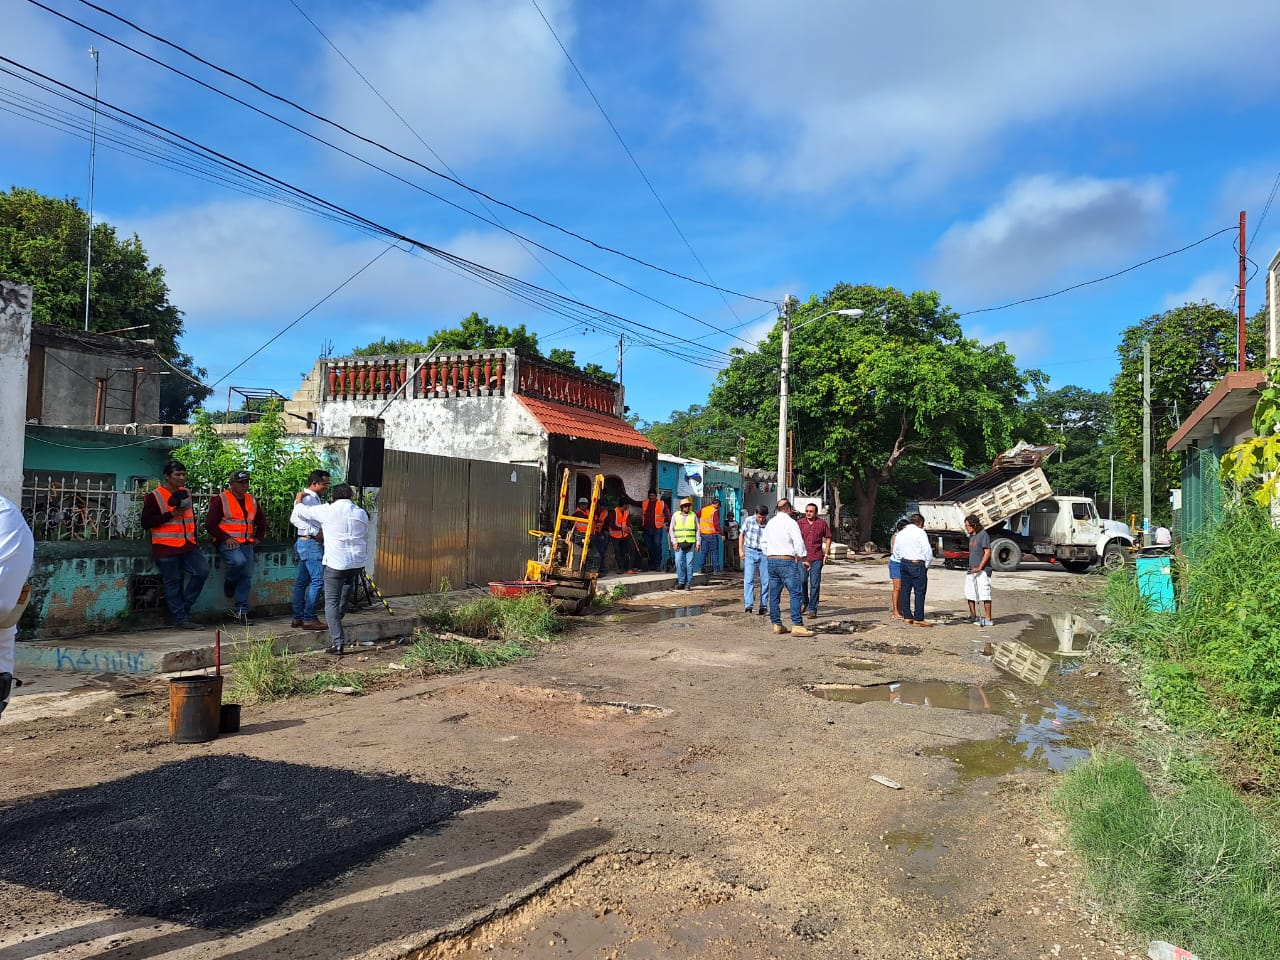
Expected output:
(1194, 867)
(260, 675)
(430, 654)
(518, 619)
(1214, 664)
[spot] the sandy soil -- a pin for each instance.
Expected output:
(649, 789)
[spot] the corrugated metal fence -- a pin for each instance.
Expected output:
(441, 518)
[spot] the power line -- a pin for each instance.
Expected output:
(634, 162)
(408, 126)
(374, 166)
(531, 293)
(1110, 276)
(351, 133)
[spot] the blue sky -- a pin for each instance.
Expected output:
(991, 151)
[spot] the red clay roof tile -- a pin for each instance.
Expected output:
(566, 421)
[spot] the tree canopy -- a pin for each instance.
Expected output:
(1079, 421)
(900, 382)
(1192, 348)
(43, 242)
(479, 333)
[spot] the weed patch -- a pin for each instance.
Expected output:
(1193, 866)
(260, 675)
(430, 654)
(506, 619)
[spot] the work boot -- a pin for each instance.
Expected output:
(779, 629)
(799, 630)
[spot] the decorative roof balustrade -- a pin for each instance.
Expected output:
(472, 373)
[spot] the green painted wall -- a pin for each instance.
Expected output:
(53, 450)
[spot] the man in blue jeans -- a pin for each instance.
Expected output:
(168, 514)
(346, 530)
(817, 542)
(310, 550)
(236, 521)
(750, 542)
(686, 541)
(784, 553)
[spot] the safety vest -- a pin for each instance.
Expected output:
(237, 521)
(655, 514)
(180, 529)
(621, 523)
(707, 519)
(685, 527)
(582, 524)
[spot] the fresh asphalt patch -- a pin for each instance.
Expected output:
(215, 842)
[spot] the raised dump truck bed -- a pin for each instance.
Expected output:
(1014, 483)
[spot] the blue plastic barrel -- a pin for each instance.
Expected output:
(1155, 579)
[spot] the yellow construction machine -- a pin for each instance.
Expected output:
(561, 560)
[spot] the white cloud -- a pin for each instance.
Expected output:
(476, 78)
(1216, 286)
(818, 93)
(1044, 229)
(1028, 344)
(239, 261)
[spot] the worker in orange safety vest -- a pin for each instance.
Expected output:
(596, 548)
(236, 522)
(653, 523)
(167, 512)
(620, 533)
(709, 527)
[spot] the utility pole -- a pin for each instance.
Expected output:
(93, 154)
(784, 387)
(1146, 443)
(1240, 293)
(619, 358)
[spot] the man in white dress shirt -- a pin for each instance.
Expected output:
(346, 528)
(784, 552)
(913, 546)
(17, 550)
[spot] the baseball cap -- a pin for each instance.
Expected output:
(583, 500)
(240, 476)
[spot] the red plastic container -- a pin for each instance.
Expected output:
(518, 588)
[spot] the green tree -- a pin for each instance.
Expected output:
(1079, 421)
(699, 433)
(43, 242)
(901, 381)
(479, 333)
(1192, 348)
(279, 466)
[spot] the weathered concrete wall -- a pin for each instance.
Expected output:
(71, 363)
(471, 428)
(15, 355)
(84, 587)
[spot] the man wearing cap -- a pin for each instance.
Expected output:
(686, 541)
(167, 512)
(785, 553)
(236, 522)
(750, 542)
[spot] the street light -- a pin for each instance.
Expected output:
(784, 381)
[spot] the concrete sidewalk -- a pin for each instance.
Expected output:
(167, 650)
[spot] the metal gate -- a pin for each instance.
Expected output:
(444, 519)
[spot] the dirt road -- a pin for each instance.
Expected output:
(645, 788)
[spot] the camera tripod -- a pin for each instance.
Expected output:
(363, 592)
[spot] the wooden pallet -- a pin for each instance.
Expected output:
(1019, 660)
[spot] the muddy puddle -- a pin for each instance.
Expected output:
(657, 614)
(1046, 733)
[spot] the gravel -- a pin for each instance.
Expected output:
(215, 842)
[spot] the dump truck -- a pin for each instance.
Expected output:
(1017, 507)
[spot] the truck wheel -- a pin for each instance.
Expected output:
(1005, 556)
(1113, 557)
(1075, 566)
